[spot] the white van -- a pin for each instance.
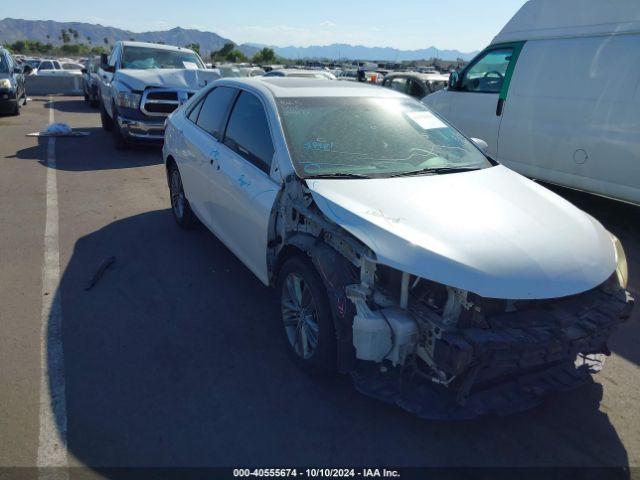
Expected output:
(557, 95)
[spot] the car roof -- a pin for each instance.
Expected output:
(160, 46)
(287, 87)
(419, 76)
(545, 19)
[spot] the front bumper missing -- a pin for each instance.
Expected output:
(509, 367)
(141, 130)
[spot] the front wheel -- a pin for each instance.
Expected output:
(119, 142)
(306, 316)
(107, 123)
(180, 207)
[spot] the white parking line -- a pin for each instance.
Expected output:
(52, 450)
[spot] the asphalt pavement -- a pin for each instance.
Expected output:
(175, 356)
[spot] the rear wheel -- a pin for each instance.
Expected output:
(107, 123)
(306, 316)
(179, 204)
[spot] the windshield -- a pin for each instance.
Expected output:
(144, 58)
(372, 137)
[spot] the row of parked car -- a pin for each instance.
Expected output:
(402, 250)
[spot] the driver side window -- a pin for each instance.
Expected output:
(487, 73)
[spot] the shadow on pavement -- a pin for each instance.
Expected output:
(175, 358)
(94, 152)
(75, 105)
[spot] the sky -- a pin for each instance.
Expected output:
(464, 25)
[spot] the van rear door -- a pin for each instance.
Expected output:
(478, 98)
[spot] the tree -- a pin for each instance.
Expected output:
(264, 56)
(228, 53)
(89, 40)
(64, 36)
(194, 46)
(223, 52)
(105, 40)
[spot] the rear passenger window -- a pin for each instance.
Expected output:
(193, 114)
(248, 132)
(214, 109)
(46, 66)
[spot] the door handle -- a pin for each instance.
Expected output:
(499, 107)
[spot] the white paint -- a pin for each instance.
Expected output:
(52, 451)
(491, 231)
(555, 107)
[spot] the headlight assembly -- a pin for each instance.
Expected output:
(622, 270)
(128, 100)
(5, 83)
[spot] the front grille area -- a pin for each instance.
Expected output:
(161, 102)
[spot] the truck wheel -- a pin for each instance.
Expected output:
(107, 123)
(16, 110)
(306, 316)
(119, 142)
(179, 204)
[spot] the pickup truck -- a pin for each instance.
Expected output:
(142, 83)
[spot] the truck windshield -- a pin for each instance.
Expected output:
(143, 58)
(372, 138)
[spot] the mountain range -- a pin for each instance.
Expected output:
(48, 31)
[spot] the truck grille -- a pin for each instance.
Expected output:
(161, 102)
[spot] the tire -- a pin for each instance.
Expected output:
(119, 142)
(86, 96)
(305, 313)
(16, 110)
(107, 123)
(180, 207)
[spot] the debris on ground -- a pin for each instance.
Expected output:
(106, 263)
(58, 130)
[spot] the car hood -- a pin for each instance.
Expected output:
(186, 79)
(491, 231)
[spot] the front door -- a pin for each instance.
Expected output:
(477, 100)
(243, 193)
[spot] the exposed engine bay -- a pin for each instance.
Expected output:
(439, 351)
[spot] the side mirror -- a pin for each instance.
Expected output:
(104, 63)
(454, 78)
(481, 144)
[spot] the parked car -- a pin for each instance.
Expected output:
(72, 68)
(54, 68)
(91, 81)
(299, 73)
(13, 93)
(417, 85)
(439, 279)
(141, 83)
(556, 96)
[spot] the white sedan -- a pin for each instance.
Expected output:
(401, 254)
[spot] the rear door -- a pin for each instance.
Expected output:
(199, 158)
(478, 98)
(242, 188)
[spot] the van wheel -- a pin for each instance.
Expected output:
(180, 207)
(306, 317)
(107, 123)
(119, 142)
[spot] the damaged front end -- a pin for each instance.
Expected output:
(468, 355)
(438, 351)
